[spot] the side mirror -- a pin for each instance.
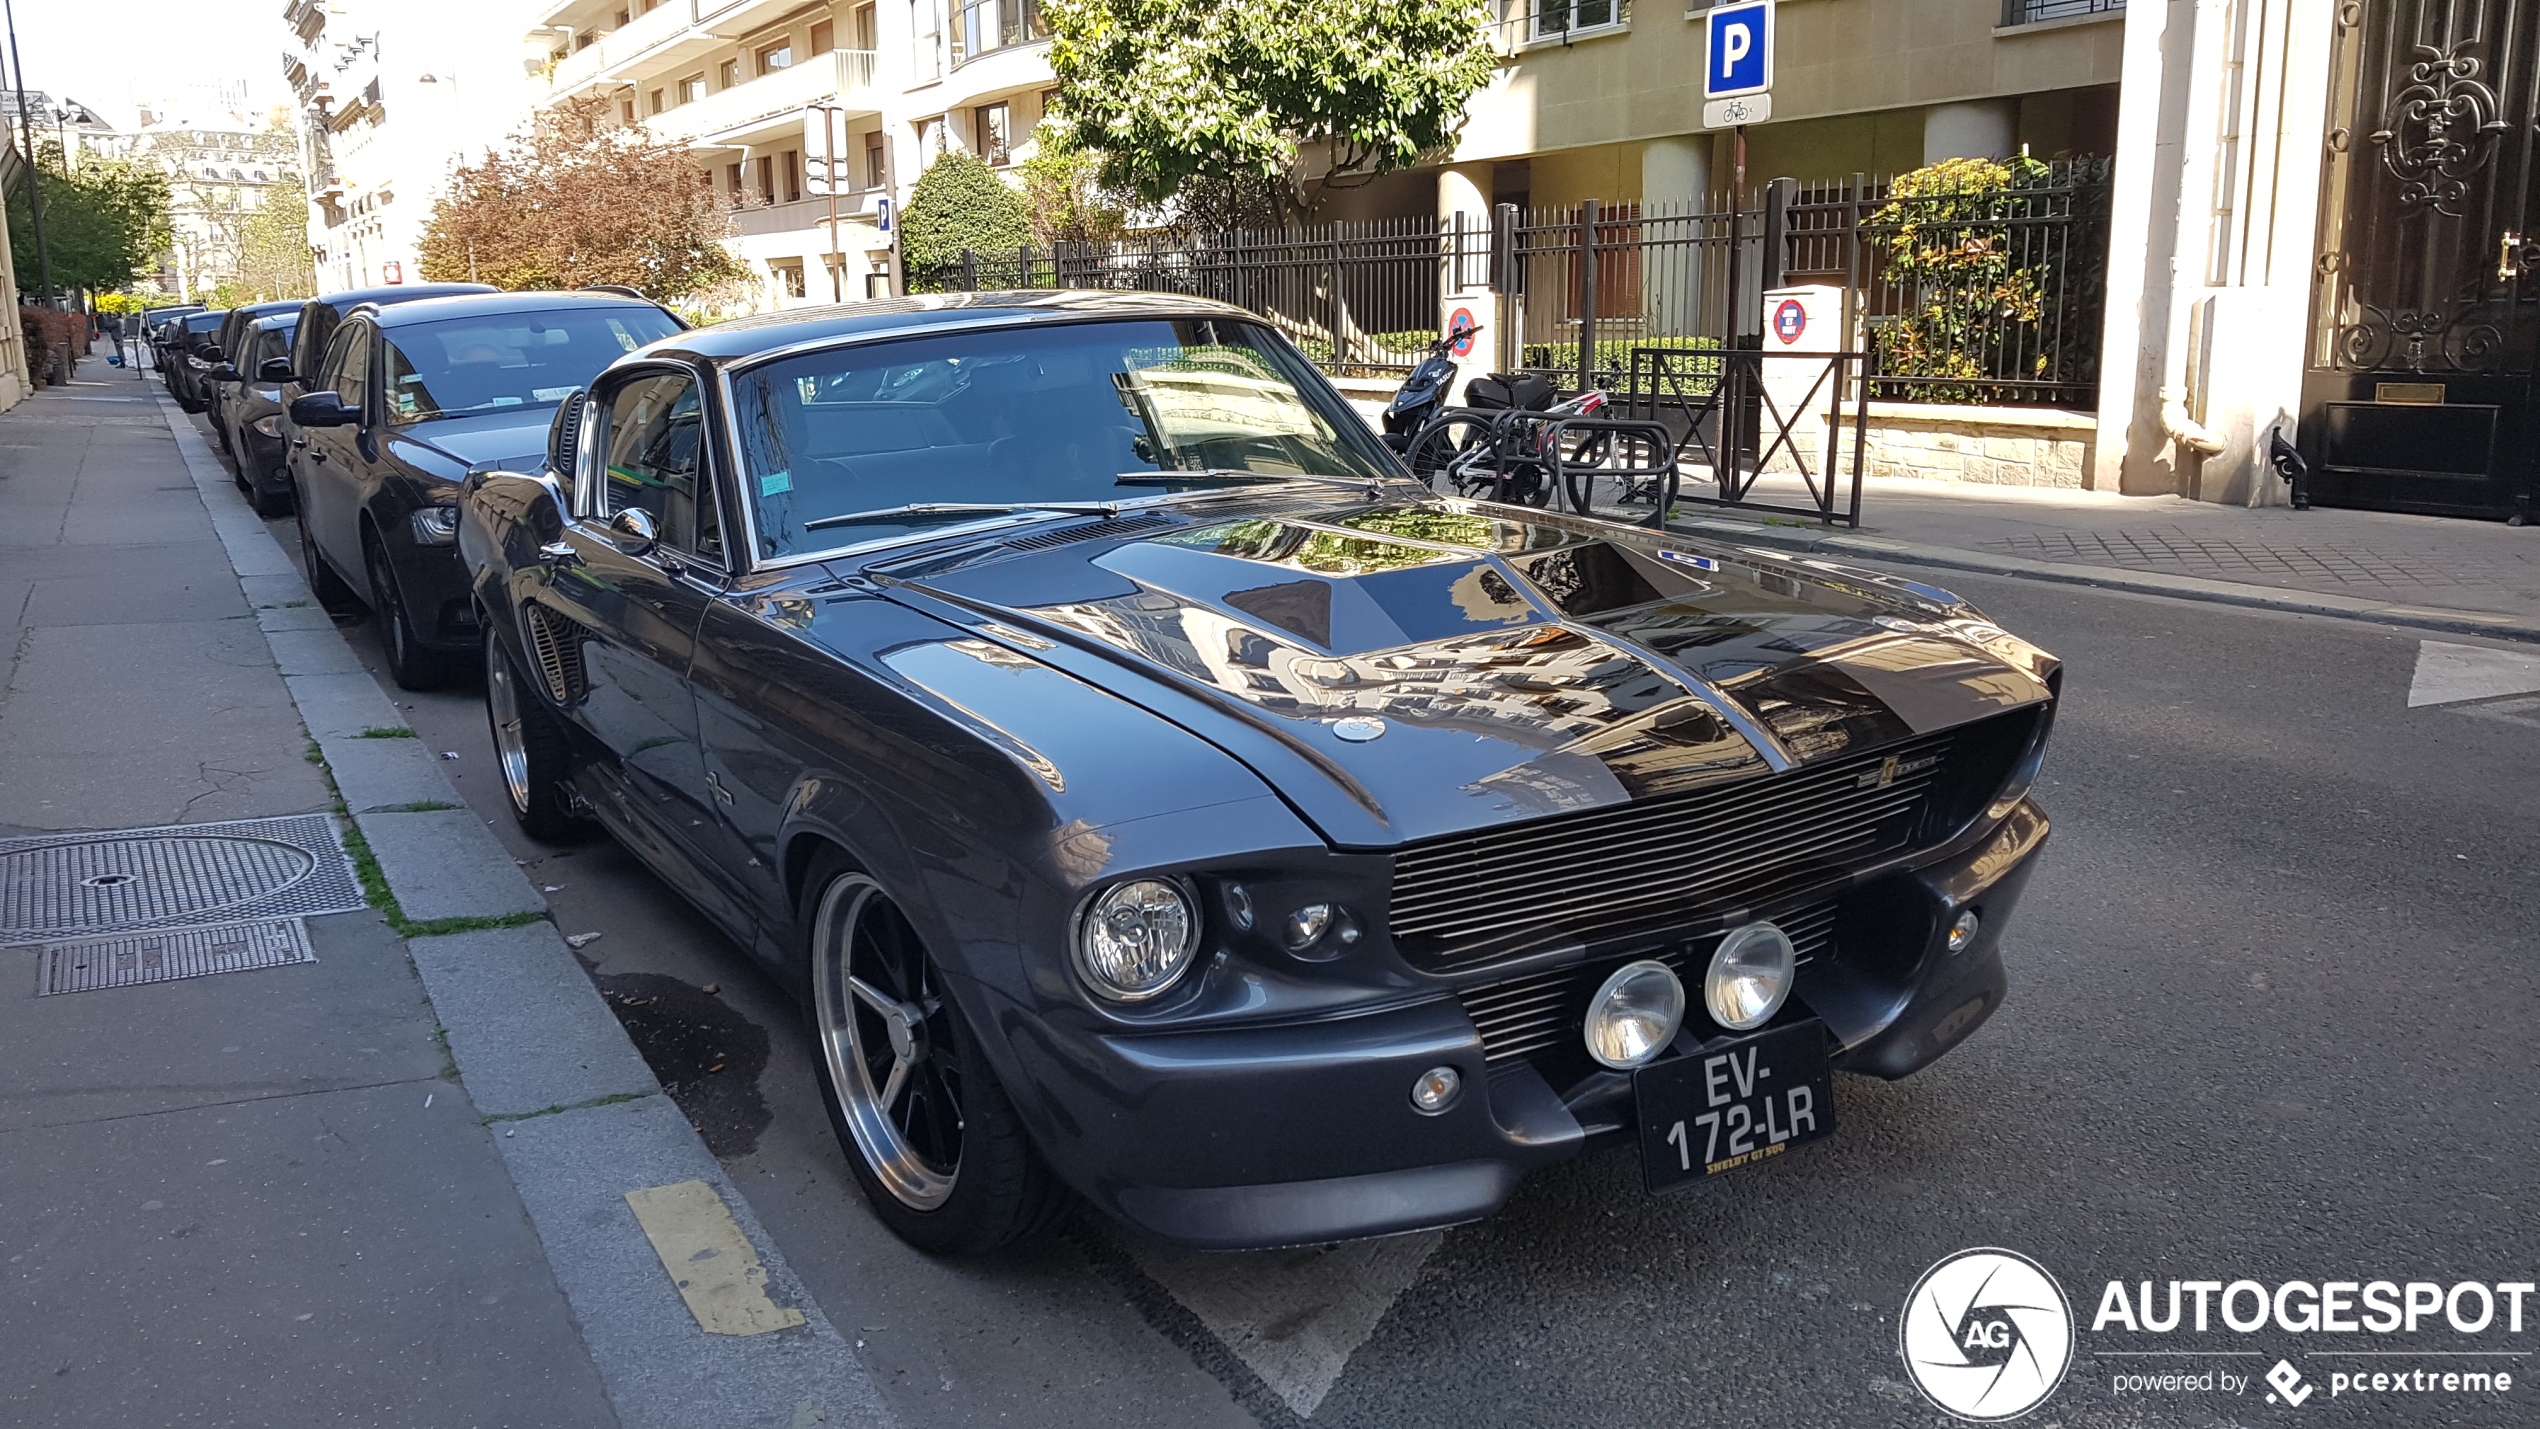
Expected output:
(274, 369)
(323, 409)
(564, 436)
(225, 373)
(632, 531)
(209, 351)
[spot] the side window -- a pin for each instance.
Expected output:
(654, 444)
(308, 346)
(348, 364)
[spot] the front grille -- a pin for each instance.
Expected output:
(1530, 1015)
(1463, 900)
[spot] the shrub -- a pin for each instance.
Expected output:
(958, 203)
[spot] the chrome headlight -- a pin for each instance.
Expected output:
(268, 426)
(1750, 976)
(1136, 938)
(435, 525)
(1635, 1014)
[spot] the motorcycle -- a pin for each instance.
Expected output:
(1422, 395)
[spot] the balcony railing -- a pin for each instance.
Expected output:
(846, 75)
(2030, 12)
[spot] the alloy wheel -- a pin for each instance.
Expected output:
(511, 746)
(887, 1031)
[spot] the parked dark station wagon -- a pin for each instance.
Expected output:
(1155, 794)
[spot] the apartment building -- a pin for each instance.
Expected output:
(392, 99)
(742, 83)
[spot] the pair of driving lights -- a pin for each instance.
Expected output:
(1635, 1014)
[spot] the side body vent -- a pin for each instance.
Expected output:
(564, 436)
(1105, 530)
(556, 641)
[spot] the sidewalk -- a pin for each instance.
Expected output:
(2436, 573)
(385, 1177)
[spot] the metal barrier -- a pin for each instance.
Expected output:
(1741, 419)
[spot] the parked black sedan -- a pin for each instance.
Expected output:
(250, 413)
(225, 372)
(406, 400)
(190, 353)
(1154, 793)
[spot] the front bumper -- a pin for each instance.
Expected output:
(1301, 1133)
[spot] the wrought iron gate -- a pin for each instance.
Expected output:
(2425, 310)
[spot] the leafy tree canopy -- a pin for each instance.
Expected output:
(578, 201)
(958, 203)
(105, 223)
(1172, 92)
(273, 253)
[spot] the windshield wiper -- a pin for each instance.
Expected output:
(956, 508)
(1237, 476)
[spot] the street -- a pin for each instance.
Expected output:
(2272, 1018)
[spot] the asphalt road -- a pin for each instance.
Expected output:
(2272, 1017)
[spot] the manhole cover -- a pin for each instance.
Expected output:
(173, 953)
(130, 880)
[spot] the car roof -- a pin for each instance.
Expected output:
(206, 320)
(351, 298)
(272, 321)
(252, 311)
(545, 300)
(766, 332)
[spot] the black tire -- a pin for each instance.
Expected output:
(530, 751)
(415, 665)
(993, 1188)
(1433, 452)
(329, 588)
(270, 504)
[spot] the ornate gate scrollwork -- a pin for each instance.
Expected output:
(2442, 129)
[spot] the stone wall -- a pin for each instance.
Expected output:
(1990, 446)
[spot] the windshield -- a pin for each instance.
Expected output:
(501, 361)
(1017, 416)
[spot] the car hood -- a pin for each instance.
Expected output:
(1405, 670)
(487, 439)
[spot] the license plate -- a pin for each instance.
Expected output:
(1733, 1105)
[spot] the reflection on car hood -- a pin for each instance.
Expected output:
(487, 438)
(1518, 667)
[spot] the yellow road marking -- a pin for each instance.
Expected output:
(708, 1258)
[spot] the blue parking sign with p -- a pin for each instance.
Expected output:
(1738, 50)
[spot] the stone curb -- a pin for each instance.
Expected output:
(1879, 549)
(583, 1119)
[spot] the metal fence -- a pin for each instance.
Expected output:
(1360, 298)
(1992, 297)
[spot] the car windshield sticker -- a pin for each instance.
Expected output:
(775, 483)
(551, 394)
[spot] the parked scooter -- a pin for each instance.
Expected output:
(1423, 394)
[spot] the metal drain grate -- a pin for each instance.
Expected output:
(93, 963)
(131, 880)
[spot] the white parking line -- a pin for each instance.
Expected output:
(2447, 673)
(1294, 1317)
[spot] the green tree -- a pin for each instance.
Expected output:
(1980, 298)
(273, 252)
(958, 203)
(1183, 94)
(1062, 186)
(582, 200)
(105, 222)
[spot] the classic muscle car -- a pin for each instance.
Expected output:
(1154, 793)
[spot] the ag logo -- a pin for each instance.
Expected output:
(1987, 1334)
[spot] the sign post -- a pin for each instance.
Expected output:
(829, 119)
(1737, 90)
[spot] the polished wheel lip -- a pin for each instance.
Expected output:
(865, 1107)
(391, 610)
(502, 707)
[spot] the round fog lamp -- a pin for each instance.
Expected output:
(1963, 932)
(1750, 976)
(1136, 939)
(1436, 1089)
(1306, 924)
(1635, 1014)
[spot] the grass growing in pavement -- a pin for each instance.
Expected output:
(386, 731)
(375, 888)
(419, 806)
(316, 758)
(611, 1099)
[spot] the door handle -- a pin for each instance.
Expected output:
(559, 553)
(2505, 265)
(317, 456)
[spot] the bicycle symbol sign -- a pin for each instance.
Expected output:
(1790, 320)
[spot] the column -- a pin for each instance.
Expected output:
(1675, 183)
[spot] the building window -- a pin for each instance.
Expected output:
(930, 141)
(732, 185)
(583, 41)
(877, 160)
(789, 277)
(692, 89)
(926, 51)
(2029, 12)
(622, 18)
(1553, 18)
(867, 34)
(824, 37)
(765, 168)
(772, 58)
(790, 163)
(627, 107)
(658, 100)
(728, 75)
(982, 26)
(993, 130)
